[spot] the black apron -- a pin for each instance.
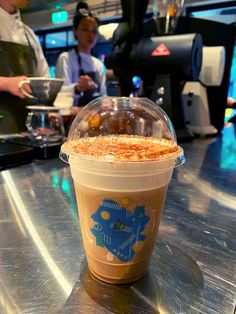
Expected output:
(15, 60)
(90, 94)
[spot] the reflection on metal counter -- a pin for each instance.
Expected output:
(42, 260)
(159, 291)
(12, 154)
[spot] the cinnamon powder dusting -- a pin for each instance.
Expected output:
(123, 147)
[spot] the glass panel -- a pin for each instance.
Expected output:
(54, 40)
(205, 13)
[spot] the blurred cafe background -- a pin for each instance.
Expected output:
(52, 22)
(146, 54)
(195, 83)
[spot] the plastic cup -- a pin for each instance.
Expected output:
(122, 152)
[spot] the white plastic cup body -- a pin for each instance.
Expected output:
(120, 206)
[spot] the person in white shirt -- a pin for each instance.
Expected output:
(21, 56)
(84, 74)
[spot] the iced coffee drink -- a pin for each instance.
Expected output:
(120, 182)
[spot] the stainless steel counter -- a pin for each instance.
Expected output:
(193, 269)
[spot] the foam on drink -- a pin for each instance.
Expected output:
(123, 147)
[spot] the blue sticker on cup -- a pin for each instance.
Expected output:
(119, 229)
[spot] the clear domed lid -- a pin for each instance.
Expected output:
(122, 115)
(109, 117)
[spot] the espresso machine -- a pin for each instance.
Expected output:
(163, 61)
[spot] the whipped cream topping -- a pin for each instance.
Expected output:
(123, 147)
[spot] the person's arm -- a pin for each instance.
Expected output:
(63, 70)
(11, 85)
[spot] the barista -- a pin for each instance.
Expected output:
(20, 56)
(84, 74)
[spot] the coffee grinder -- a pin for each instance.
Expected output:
(163, 61)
